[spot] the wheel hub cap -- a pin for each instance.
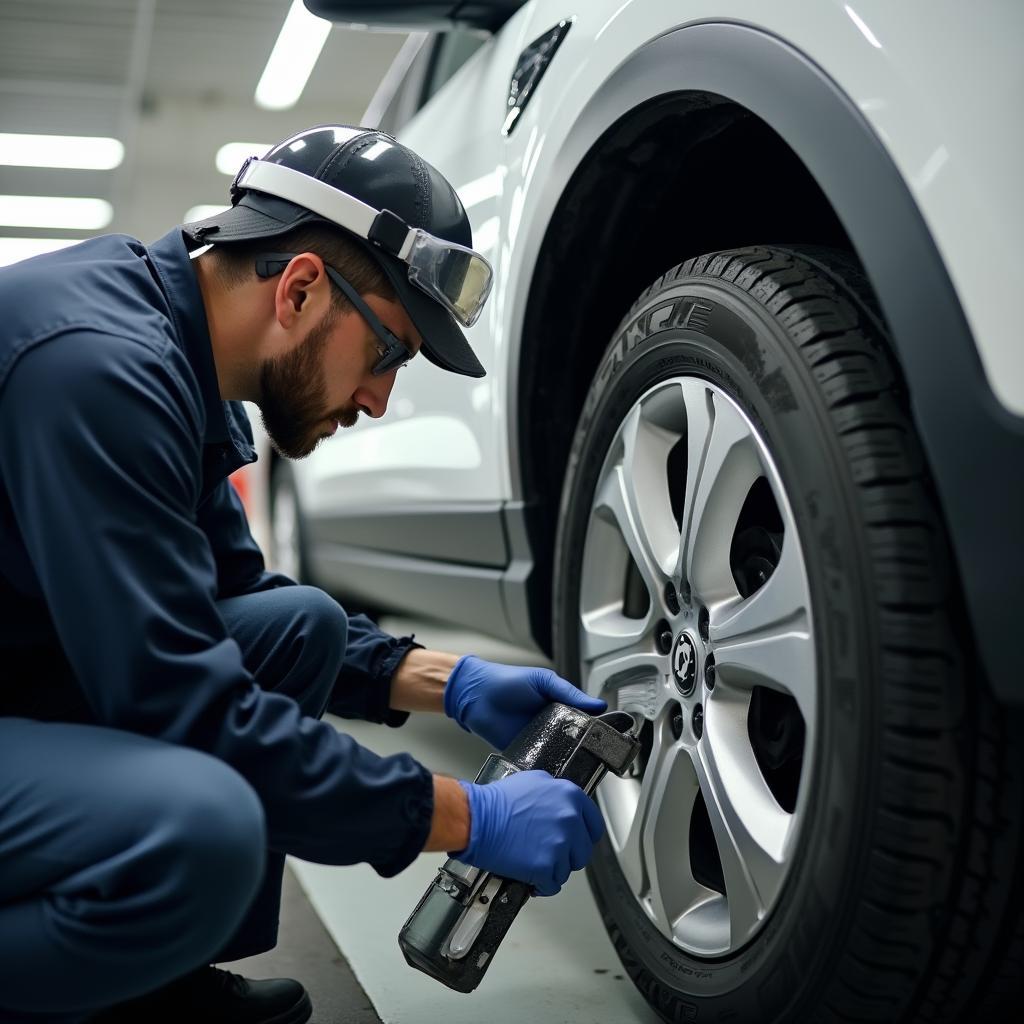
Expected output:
(684, 663)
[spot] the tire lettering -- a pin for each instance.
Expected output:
(680, 968)
(662, 317)
(636, 332)
(699, 317)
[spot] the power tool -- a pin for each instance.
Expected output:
(460, 921)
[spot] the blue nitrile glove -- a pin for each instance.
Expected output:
(531, 827)
(496, 701)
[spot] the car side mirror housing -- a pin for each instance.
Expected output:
(430, 15)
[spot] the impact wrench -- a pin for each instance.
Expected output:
(457, 926)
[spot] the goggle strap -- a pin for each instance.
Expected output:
(343, 209)
(391, 233)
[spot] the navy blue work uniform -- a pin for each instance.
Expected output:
(160, 749)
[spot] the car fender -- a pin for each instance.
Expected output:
(974, 442)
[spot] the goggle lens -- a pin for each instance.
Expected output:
(457, 277)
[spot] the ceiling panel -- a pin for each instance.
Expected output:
(66, 68)
(50, 113)
(59, 40)
(214, 48)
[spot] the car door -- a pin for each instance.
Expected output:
(441, 447)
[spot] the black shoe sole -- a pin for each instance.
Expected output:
(297, 1014)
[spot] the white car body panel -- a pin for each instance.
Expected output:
(442, 439)
(937, 82)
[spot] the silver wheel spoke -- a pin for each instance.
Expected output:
(750, 828)
(652, 845)
(765, 639)
(606, 631)
(673, 891)
(635, 494)
(628, 811)
(635, 675)
(722, 465)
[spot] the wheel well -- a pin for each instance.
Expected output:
(680, 176)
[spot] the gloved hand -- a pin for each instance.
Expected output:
(531, 827)
(496, 701)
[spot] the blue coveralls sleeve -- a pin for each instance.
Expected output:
(363, 687)
(103, 492)
(239, 561)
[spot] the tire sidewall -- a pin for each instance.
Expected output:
(713, 330)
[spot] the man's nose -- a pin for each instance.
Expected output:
(373, 396)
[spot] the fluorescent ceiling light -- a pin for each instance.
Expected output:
(14, 249)
(293, 58)
(55, 212)
(201, 212)
(232, 155)
(81, 152)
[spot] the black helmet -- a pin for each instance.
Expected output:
(401, 210)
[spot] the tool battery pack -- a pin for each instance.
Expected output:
(460, 921)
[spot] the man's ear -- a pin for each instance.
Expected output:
(302, 286)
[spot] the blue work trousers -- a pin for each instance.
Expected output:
(125, 861)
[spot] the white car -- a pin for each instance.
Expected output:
(748, 461)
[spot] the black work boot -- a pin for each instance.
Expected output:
(218, 997)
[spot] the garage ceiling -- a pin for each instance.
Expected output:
(174, 80)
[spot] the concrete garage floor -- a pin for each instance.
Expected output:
(556, 966)
(305, 951)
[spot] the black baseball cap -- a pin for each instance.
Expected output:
(379, 171)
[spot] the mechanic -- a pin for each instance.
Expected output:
(160, 692)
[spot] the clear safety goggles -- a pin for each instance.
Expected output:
(457, 277)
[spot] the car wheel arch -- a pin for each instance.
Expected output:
(744, 73)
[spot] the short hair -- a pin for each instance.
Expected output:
(235, 262)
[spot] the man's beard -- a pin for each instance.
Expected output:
(293, 396)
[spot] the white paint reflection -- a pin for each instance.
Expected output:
(864, 30)
(480, 396)
(485, 237)
(401, 408)
(608, 24)
(479, 190)
(931, 167)
(515, 213)
(426, 443)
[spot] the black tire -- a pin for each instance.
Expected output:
(284, 494)
(903, 902)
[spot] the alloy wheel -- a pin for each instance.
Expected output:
(695, 616)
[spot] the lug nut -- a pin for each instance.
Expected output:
(677, 722)
(698, 721)
(702, 624)
(671, 599)
(664, 635)
(709, 672)
(684, 592)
